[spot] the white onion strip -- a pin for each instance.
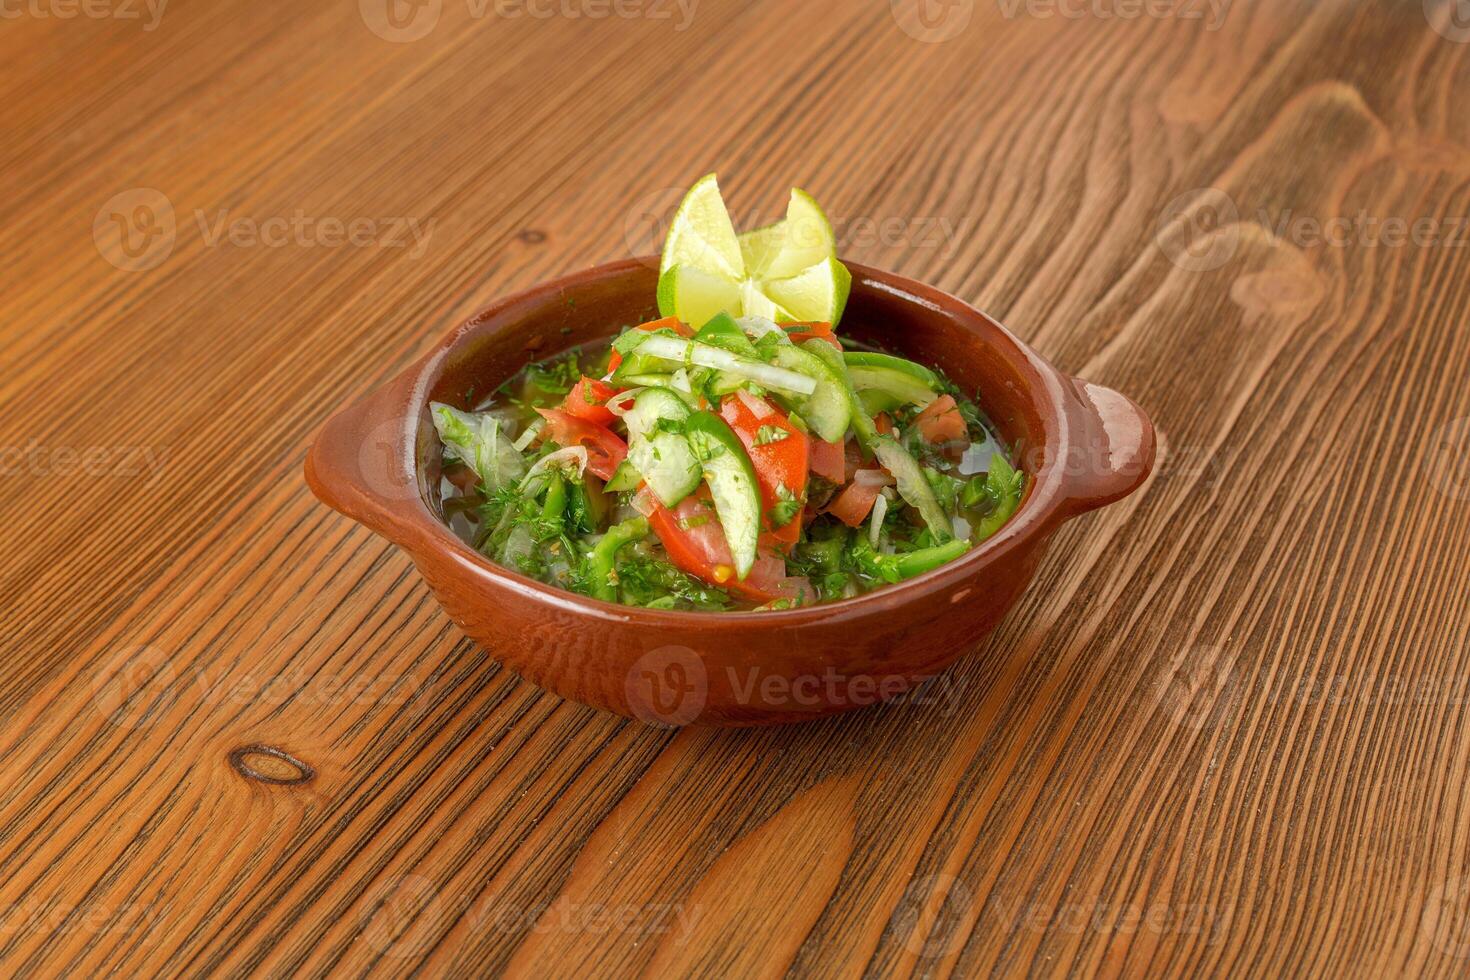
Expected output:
(535, 476)
(615, 403)
(703, 355)
(872, 478)
(875, 524)
(529, 436)
(759, 407)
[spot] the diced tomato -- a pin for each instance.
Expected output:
(855, 502)
(883, 423)
(667, 323)
(692, 535)
(941, 421)
(811, 331)
(588, 400)
(852, 458)
(780, 462)
(783, 537)
(826, 460)
(604, 449)
(690, 532)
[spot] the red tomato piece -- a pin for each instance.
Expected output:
(604, 449)
(852, 458)
(588, 400)
(854, 503)
(883, 423)
(777, 449)
(695, 541)
(941, 421)
(826, 460)
(783, 537)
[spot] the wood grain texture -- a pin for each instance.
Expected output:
(1224, 733)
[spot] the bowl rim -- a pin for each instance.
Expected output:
(1042, 507)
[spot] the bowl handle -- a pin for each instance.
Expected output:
(362, 464)
(1111, 449)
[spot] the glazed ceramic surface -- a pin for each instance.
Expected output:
(1080, 445)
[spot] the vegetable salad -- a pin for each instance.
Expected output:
(738, 463)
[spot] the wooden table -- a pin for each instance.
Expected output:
(1224, 733)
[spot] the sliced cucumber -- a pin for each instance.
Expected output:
(732, 484)
(662, 458)
(826, 410)
(625, 477)
(862, 422)
(651, 405)
(913, 486)
(886, 382)
(667, 465)
(658, 380)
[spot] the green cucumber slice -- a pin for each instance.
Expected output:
(668, 466)
(826, 411)
(649, 406)
(732, 484)
(626, 477)
(663, 458)
(862, 422)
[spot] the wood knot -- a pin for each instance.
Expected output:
(531, 236)
(268, 764)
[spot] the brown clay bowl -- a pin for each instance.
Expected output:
(1080, 445)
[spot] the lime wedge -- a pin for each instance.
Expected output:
(753, 302)
(696, 296)
(799, 241)
(701, 235)
(785, 271)
(760, 247)
(818, 293)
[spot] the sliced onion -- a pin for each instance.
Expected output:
(615, 403)
(576, 456)
(529, 436)
(759, 407)
(643, 502)
(873, 478)
(758, 326)
(703, 355)
(875, 523)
